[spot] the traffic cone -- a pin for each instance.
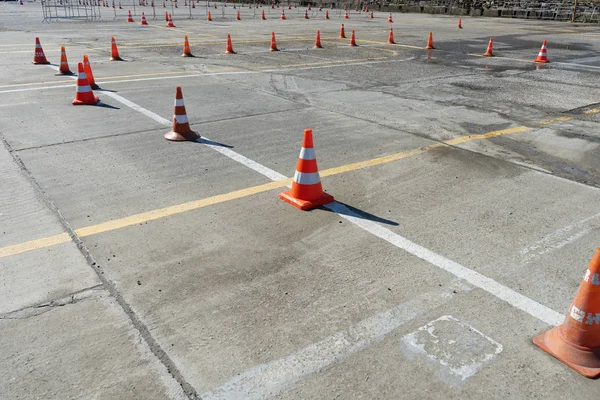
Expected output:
(180, 130)
(342, 33)
(542, 55)
(430, 41)
(371, 15)
(186, 47)
(64, 65)
(215, 5)
(208, 16)
(144, 22)
(193, 4)
(577, 341)
(263, 15)
(326, 14)
(390, 19)
(83, 93)
(391, 37)
(166, 16)
(170, 24)
(87, 68)
(129, 17)
(460, 23)
(114, 51)
(346, 16)
(306, 14)
(229, 49)
(273, 43)
(489, 52)
(353, 40)
(307, 192)
(38, 56)
(238, 17)
(20, 2)
(318, 41)
(283, 18)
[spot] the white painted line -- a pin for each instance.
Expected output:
(502, 292)
(140, 109)
(266, 380)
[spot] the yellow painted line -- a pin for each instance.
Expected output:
(341, 62)
(554, 120)
(237, 194)
(592, 111)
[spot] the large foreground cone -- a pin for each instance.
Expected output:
(229, 48)
(577, 341)
(84, 94)
(39, 57)
(489, 52)
(64, 65)
(114, 51)
(273, 43)
(542, 55)
(129, 17)
(318, 41)
(180, 130)
(88, 72)
(187, 52)
(353, 39)
(307, 192)
(430, 41)
(342, 33)
(391, 37)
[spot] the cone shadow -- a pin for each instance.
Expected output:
(202, 140)
(105, 90)
(104, 105)
(344, 209)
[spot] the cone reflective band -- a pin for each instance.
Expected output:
(307, 192)
(64, 65)
(88, 72)
(114, 51)
(83, 93)
(180, 130)
(38, 56)
(577, 341)
(542, 55)
(187, 52)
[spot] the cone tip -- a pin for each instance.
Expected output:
(79, 67)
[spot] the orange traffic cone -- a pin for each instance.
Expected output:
(215, 5)
(273, 43)
(430, 41)
(306, 14)
(342, 33)
(390, 19)
(460, 23)
(166, 16)
(229, 49)
(238, 16)
(391, 37)
(83, 93)
(318, 41)
(371, 15)
(326, 14)
(180, 130)
(283, 18)
(577, 341)
(353, 40)
(64, 65)
(346, 16)
(38, 56)
(542, 55)
(144, 22)
(114, 51)
(489, 52)
(87, 68)
(307, 192)
(186, 48)
(129, 17)
(263, 15)
(193, 4)
(170, 24)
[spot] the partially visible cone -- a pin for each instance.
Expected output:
(489, 52)
(430, 41)
(318, 41)
(342, 33)
(114, 52)
(166, 16)
(353, 39)
(129, 17)
(144, 22)
(187, 52)
(307, 191)
(577, 341)
(391, 37)
(180, 130)
(542, 55)
(64, 65)
(83, 93)
(229, 48)
(87, 68)
(38, 56)
(273, 43)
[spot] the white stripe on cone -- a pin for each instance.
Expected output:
(307, 178)
(83, 89)
(307, 154)
(181, 119)
(179, 103)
